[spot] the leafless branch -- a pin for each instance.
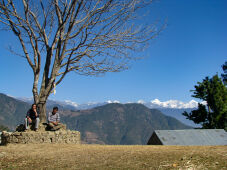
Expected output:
(85, 36)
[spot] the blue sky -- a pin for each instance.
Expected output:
(192, 46)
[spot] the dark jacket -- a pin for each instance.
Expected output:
(31, 114)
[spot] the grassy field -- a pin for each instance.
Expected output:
(67, 156)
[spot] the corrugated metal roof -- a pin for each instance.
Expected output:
(192, 137)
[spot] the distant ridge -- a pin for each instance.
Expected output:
(120, 123)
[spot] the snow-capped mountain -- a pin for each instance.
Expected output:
(156, 103)
(170, 104)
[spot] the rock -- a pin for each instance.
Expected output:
(17, 133)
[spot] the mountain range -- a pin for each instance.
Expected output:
(119, 123)
(112, 123)
(172, 108)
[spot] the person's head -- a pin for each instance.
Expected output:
(55, 110)
(34, 106)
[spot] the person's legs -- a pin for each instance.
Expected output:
(36, 123)
(56, 127)
(51, 125)
(26, 123)
(59, 126)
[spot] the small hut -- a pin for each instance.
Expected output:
(189, 137)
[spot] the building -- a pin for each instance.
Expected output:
(189, 137)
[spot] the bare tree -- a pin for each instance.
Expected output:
(89, 37)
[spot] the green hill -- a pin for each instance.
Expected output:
(12, 111)
(120, 123)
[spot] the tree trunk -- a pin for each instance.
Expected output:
(42, 112)
(44, 94)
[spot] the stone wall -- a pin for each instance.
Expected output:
(65, 136)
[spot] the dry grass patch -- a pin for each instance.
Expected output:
(69, 156)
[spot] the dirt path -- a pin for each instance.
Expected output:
(56, 156)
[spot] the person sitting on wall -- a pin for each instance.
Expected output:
(32, 117)
(54, 120)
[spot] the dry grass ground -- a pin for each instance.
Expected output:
(56, 156)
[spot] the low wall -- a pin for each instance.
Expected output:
(65, 136)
